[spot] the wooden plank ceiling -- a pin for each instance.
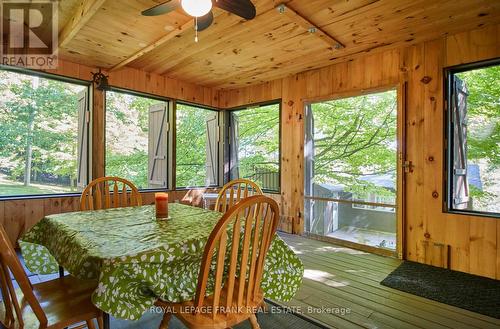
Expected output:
(234, 52)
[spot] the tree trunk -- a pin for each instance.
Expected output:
(29, 148)
(29, 136)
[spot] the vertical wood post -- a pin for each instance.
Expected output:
(98, 134)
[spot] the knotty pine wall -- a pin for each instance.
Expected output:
(17, 216)
(474, 242)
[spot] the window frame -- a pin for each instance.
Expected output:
(448, 145)
(168, 151)
(174, 146)
(227, 150)
(89, 109)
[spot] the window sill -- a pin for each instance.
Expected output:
(197, 188)
(473, 213)
(59, 195)
(39, 196)
(271, 192)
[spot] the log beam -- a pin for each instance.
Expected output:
(85, 11)
(309, 26)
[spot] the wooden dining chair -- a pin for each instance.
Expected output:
(54, 304)
(234, 191)
(238, 243)
(110, 192)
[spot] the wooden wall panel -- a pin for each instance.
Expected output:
(13, 211)
(133, 79)
(483, 246)
(72, 70)
(498, 253)
(412, 63)
(292, 152)
(271, 90)
(473, 46)
(473, 241)
(432, 117)
(32, 213)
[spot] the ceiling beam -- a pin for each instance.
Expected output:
(156, 44)
(309, 26)
(82, 15)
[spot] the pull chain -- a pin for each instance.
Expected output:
(196, 29)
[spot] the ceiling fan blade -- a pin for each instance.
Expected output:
(163, 8)
(205, 21)
(242, 8)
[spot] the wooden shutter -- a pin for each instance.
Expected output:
(212, 147)
(459, 121)
(234, 147)
(157, 146)
(83, 141)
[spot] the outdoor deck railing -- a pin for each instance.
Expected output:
(267, 179)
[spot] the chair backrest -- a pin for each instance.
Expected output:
(10, 263)
(110, 192)
(250, 225)
(234, 191)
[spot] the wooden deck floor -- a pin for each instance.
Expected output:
(338, 278)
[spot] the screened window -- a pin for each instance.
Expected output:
(136, 139)
(44, 135)
(255, 145)
(350, 166)
(473, 98)
(197, 146)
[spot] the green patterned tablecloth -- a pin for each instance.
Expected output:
(138, 259)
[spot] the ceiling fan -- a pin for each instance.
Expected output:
(201, 10)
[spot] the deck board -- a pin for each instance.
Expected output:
(339, 277)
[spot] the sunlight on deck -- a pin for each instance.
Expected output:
(324, 277)
(328, 248)
(341, 250)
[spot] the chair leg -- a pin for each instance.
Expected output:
(165, 321)
(253, 322)
(264, 307)
(100, 322)
(90, 324)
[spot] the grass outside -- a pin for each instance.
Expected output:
(13, 188)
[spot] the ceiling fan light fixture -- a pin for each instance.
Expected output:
(196, 8)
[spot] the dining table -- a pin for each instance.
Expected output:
(136, 259)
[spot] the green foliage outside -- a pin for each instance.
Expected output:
(38, 140)
(355, 137)
(259, 144)
(483, 134)
(127, 120)
(191, 145)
